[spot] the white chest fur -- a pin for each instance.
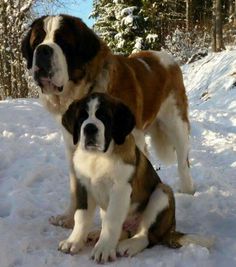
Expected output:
(100, 173)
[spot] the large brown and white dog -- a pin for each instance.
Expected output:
(116, 176)
(68, 61)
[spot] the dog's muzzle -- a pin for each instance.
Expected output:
(43, 71)
(90, 133)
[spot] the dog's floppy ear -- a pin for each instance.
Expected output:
(123, 123)
(70, 121)
(87, 42)
(27, 50)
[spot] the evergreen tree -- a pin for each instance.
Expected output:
(121, 24)
(163, 17)
(132, 25)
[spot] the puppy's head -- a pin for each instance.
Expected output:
(96, 120)
(56, 49)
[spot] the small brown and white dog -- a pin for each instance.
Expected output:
(69, 61)
(115, 175)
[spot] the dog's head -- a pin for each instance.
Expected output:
(56, 49)
(96, 120)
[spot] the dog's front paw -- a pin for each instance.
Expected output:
(66, 220)
(70, 247)
(132, 246)
(103, 252)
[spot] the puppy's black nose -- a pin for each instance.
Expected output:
(90, 129)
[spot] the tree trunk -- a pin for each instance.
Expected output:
(188, 14)
(213, 30)
(231, 7)
(217, 27)
(6, 86)
(235, 13)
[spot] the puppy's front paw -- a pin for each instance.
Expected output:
(103, 252)
(70, 247)
(132, 246)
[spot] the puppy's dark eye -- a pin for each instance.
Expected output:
(83, 114)
(102, 114)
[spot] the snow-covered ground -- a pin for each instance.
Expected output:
(34, 183)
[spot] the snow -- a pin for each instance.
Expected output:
(34, 183)
(128, 20)
(138, 44)
(128, 11)
(151, 38)
(26, 6)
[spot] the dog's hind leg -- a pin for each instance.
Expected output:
(157, 203)
(178, 133)
(170, 138)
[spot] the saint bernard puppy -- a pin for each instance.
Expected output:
(115, 175)
(68, 61)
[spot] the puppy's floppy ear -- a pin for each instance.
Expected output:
(87, 42)
(123, 123)
(27, 50)
(70, 121)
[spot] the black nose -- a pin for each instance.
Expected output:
(43, 58)
(44, 51)
(90, 129)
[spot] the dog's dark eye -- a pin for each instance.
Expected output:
(83, 114)
(38, 39)
(102, 114)
(63, 42)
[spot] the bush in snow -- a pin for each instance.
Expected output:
(187, 46)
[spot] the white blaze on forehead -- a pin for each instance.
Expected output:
(51, 24)
(92, 107)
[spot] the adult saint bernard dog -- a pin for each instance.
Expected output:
(135, 206)
(68, 61)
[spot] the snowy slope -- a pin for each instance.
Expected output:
(34, 182)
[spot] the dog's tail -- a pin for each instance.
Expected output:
(206, 242)
(177, 239)
(162, 145)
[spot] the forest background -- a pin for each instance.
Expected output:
(188, 29)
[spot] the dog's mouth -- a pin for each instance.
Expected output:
(48, 86)
(92, 145)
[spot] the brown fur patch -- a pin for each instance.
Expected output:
(144, 181)
(144, 90)
(126, 151)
